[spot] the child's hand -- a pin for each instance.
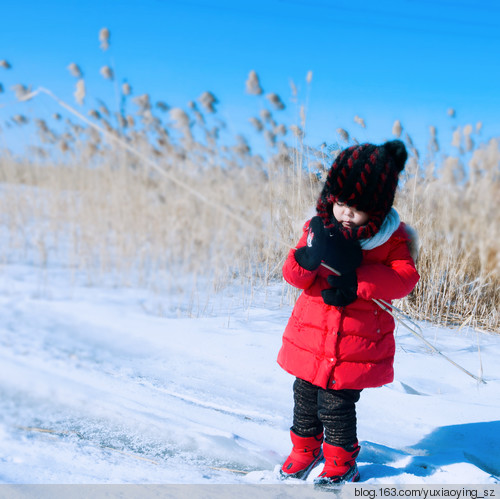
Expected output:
(310, 256)
(342, 254)
(343, 291)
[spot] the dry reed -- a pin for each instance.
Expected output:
(94, 205)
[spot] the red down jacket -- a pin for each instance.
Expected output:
(351, 347)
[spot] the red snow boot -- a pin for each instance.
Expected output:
(340, 465)
(306, 453)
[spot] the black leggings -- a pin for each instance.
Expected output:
(317, 408)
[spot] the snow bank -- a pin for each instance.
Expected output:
(95, 388)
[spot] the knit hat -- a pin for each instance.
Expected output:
(364, 177)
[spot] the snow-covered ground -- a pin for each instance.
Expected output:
(97, 387)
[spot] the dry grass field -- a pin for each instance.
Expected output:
(160, 194)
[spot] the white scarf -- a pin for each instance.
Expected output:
(387, 229)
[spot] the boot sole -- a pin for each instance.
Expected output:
(302, 474)
(332, 483)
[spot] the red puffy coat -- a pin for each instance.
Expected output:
(350, 347)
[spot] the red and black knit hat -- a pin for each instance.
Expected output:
(365, 177)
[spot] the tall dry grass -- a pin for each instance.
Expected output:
(112, 215)
(86, 202)
(456, 211)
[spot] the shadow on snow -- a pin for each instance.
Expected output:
(475, 443)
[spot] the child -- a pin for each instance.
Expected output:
(338, 341)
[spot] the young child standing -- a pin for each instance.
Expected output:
(338, 341)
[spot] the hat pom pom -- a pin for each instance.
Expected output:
(397, 150)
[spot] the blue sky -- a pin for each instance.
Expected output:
(410, 59)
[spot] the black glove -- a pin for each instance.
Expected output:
(310, 256)
(342, 254)
(343, 291)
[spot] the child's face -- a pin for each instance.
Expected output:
(348, 216)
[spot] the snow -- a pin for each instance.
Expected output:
(103, 384)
